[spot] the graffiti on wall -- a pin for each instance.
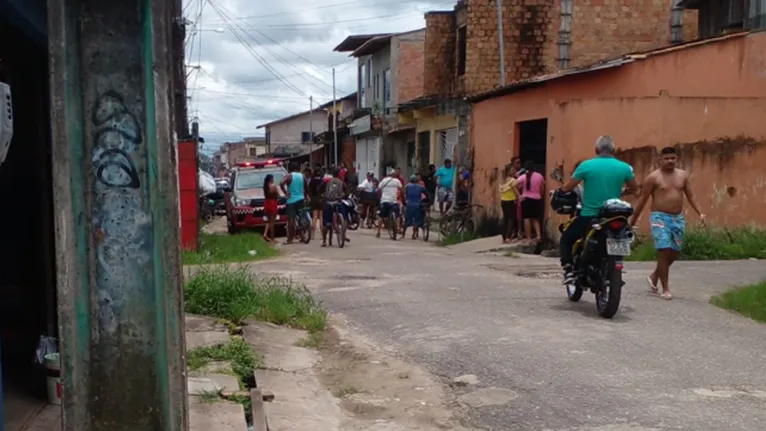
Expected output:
(121, 220)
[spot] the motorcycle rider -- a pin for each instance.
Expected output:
(603, 178)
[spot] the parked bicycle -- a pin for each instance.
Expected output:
(460, 220)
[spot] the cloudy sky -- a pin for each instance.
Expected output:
(253, 61)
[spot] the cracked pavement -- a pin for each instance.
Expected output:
(544, 363)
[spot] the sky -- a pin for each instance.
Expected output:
(252, 62)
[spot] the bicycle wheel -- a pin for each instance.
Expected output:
(426, 225)
(446, 225)
(340, 228)
(304, 227)
(392, 225)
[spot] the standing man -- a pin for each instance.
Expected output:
(343, 171)
(445, 178)
(294, 187)
(667, 187)
(389, 192)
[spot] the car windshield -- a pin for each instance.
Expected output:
(254, 179)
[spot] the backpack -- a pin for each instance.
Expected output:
(334, 190)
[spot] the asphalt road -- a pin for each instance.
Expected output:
(658, 365)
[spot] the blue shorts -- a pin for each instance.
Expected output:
(329, 209)
(413, 215)
(387, 207)
(667, 230)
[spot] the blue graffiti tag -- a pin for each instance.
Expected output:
(122, 224)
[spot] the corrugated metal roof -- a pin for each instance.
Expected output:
(354, 41)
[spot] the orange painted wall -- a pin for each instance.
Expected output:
(713, 92)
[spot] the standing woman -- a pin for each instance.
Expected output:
(315, 201)
(508, 200)
(532, 185)
(270, 207)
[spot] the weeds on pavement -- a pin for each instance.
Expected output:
(237, 352)
(749, 301)
(712, 244)
(244, 247)
(236, 294)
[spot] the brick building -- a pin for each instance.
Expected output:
(706, 97)
(462, 53)
(390, 73)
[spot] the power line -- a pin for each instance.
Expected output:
(252, 52)
(265, 96)
(334, 5)
(253, 81)
(282, 59)
(316, 25)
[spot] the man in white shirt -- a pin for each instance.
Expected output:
(367, 184)
(389, 191)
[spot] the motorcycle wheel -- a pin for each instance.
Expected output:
(304, 228)
(608, 297)
(354, 224)
(574, 291)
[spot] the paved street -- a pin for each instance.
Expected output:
(681, 365)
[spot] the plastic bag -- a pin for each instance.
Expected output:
(206, 184)
(46, 346)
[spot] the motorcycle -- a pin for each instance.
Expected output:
(352, 211)
(599, 256)
(206, 209)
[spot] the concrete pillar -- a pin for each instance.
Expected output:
(116, 216)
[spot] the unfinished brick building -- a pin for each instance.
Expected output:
(462, 49)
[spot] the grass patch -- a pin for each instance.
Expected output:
(314, 341)
(246, 402)
(457, 239)
(711, 244)
(237, 352)
(229, 248)
(346, 391)
(209, 397)
(235, 294)
(749, 301)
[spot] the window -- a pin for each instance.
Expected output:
(252, 152)
(375, 91)
(386, 87)
(363, 85)
(306, 137)
(462, 36)
(756, 16)
(254, 179)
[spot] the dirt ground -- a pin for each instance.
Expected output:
(374, 386)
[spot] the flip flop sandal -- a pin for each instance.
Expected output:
(652, 287)
(666, 296)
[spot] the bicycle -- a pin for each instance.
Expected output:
(426, 219)
(459, 220)
(339, 226)
(303, 224)
(391, 224)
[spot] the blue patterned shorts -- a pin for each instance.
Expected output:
(667, 230)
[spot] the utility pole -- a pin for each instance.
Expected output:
(311, 128)
(178, 86)
(334, 120)
(500, 40)
(118, 270)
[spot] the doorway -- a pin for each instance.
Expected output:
(27, 266)
(424, 149)
(533, 142)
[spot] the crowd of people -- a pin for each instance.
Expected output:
(323, 187)
(521, 196)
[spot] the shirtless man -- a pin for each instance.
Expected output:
(667, 187)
